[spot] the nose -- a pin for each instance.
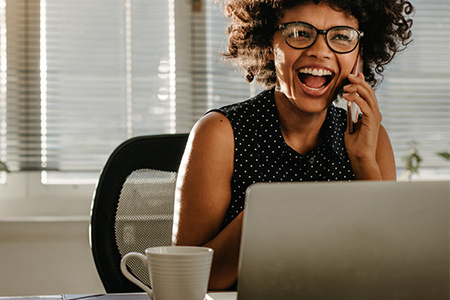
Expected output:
(320, 48)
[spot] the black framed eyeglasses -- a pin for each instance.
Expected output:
(340, 39)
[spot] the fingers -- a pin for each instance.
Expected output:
(360, 92)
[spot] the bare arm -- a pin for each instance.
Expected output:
(204, 194)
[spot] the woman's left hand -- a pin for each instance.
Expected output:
(362, 143)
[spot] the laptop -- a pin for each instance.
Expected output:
(352, 240)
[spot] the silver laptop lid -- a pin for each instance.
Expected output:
(353, 240)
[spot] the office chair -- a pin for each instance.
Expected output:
(133, 205)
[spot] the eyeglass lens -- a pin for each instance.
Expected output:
(339, 39)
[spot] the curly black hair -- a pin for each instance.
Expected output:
(386, 25)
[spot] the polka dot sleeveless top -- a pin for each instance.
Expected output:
(261, 154)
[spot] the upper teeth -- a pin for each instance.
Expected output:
(316, 72)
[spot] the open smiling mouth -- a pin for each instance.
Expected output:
(315, 79)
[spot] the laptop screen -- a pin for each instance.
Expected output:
(345, 240)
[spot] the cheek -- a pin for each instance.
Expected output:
(280, 63)
(284, 60)
(279, 59)
(347, 64)
(346, 67)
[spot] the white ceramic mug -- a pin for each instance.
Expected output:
(176, 272)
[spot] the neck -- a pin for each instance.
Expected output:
(301, 130)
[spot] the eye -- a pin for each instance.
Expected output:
(343, 36)
(299, 34)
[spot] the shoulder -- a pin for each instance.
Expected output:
(207, 162)
(213, 130)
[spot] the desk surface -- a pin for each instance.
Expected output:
(132, 296)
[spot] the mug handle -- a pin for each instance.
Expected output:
(131, 277)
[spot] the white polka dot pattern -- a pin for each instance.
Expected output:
(261, 154)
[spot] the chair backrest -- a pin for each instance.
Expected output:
(133, 205)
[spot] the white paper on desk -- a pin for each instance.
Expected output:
(222, 296)
(124, 296)
(144, 296)
(52, 297)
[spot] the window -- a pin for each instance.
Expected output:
(77, 77)
(415, 94)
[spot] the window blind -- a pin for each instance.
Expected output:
(20, 85)
(415, 94)
(216, 83)
(108, 75)
(78, 77)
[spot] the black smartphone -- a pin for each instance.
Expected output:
(353, 110)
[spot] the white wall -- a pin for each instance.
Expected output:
(44, 239)
(46, 258)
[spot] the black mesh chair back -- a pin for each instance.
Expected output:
(133, 205)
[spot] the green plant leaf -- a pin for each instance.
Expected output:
(3, 167)
(444, 155)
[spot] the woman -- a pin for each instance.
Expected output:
(303, 52)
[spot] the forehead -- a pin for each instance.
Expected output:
(321, 15)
